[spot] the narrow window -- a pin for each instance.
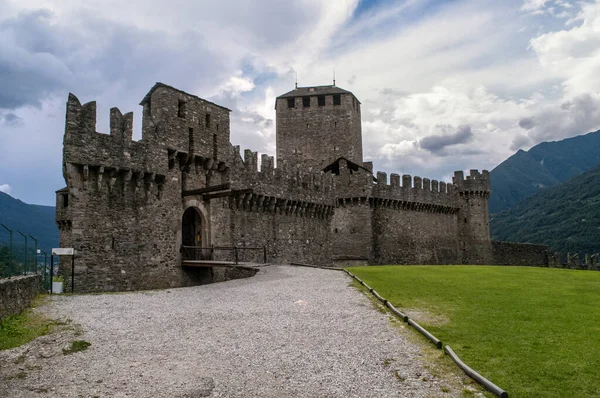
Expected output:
(181, 109)
(321, 100)
(149, 108)
(465, 220)
(65, 199)
(306, 102)
(207, 120)
(291, 102)
(335, 125)
(337, 99)
(215, 146)
(306, 125)
(191, 139)
(114, 244)
(217, 126)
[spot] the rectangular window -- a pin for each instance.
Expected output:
(181, 108)
(291, 102)
(321, 100)
(337, 99)
(306, 102)
(207, 120)
(65, 199)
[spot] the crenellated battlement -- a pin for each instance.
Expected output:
(93, 160)
(293, 183)
(475, 183)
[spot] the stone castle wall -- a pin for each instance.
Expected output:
(510, 253)
(123, 205)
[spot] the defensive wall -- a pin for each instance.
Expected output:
(125, 203)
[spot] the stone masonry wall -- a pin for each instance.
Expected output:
(16, 293)
(410, 236)
(317, 135)
(509, 253)
(287, 237)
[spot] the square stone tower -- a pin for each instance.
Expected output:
(316, 125)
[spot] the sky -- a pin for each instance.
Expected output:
(444, 85)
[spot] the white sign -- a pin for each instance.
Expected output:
(63, 251)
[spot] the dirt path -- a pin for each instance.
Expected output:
(287, 332)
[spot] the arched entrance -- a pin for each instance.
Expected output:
(192, 233)
(191, 228)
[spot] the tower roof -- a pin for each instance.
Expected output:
(315, 90)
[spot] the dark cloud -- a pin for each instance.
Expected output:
(10, 119)
(526, 123)
(30, 68)
(39, 58)
(519, 142)
(437, 143)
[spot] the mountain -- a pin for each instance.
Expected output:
(565, 217)
(30, 219)
(544, 165)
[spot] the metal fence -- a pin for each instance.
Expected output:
(20, 255)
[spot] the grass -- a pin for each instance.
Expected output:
(531, 331)
(76, 346)
(16, 330)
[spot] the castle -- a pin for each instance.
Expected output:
(136, 210)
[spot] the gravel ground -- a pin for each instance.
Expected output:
(286, 332)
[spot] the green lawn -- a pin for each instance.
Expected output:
(535, 332)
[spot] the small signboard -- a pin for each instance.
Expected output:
(63, 251)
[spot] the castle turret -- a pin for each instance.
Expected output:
(473, 218)
(317, 125)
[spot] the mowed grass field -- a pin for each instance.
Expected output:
(535, 332)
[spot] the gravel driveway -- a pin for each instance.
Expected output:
(286, 332)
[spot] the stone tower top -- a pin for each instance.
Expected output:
(317, 125)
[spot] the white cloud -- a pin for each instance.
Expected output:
(533, 5)
(5, 188)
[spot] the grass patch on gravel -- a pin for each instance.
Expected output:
(532, 331)
(16, 330)
(76, 346)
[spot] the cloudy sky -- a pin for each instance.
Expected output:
(444, 85)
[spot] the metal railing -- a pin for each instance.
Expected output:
(22, 258)
(211, 253)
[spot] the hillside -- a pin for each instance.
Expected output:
(566, 217)
(544, 165)
(29, 219)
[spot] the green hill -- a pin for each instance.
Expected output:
(566, 217)
(29, 219)
(544, 165)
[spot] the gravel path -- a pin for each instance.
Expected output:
(286, 332)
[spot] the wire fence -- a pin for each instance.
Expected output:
(20, 255)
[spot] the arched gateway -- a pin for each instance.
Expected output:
(194, 235)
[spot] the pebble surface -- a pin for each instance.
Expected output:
(286, 332)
